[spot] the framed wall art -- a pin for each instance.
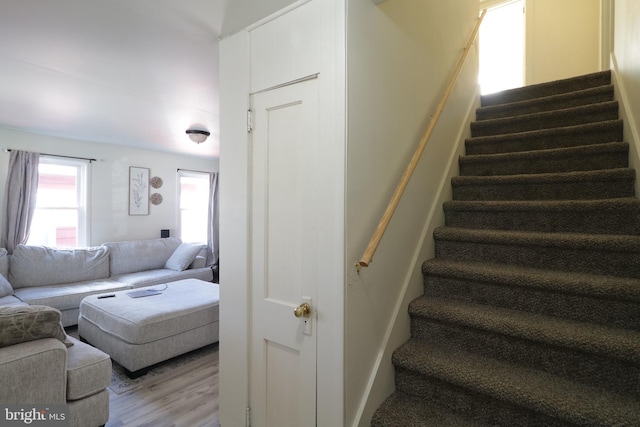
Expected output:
(138, 191)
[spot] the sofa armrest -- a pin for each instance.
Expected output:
(198, 262)
(34, 372)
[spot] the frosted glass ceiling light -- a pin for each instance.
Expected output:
(198, 136)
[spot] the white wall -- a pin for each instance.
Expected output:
(109, 219)
(400, 56)
(562, 39)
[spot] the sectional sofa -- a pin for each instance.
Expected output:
(61, 278)
(39, 363)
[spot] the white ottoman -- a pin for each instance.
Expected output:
(140, 332)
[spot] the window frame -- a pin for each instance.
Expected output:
(82, 194)
(183, 173)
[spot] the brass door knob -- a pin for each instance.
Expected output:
(303, 310)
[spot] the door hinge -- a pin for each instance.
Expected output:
(248, 419)
(249, 121)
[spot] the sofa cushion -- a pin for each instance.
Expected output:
(68, 295)
(183, 256)
(5, 287)
(88, 370)
(140, 255)
(43, 266)
(162, 276)
(28, 323)
(4, 262)
(12, 300)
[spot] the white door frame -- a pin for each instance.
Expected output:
(238, 77)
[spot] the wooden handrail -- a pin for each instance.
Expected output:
(367, 257)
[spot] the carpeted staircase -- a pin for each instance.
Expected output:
(531, 309)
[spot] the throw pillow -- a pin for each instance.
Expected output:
(5, 287)
(29, 323)
(182, 256)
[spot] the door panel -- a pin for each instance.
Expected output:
(284, 248)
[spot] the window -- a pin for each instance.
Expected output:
(193, 206)
(502, 47)
(60, 218)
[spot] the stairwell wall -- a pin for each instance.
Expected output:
(625, 64)
(400, 55)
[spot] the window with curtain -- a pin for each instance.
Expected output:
(61, 215)
(193, 207)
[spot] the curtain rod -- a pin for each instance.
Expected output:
(8, 150)
(191, 170)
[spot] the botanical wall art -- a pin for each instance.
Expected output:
(138, 191)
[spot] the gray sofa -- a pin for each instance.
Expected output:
(41, 366)
(61, 278)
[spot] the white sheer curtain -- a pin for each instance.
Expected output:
(213, 237)
(20, 198)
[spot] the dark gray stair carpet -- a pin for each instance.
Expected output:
(548, 103)
(530, 396)
(531, 308)
(598, 184)
(552, 119)
(600, 216)
(594, 298)
(541, 90)
(570, 136)
(586, 157)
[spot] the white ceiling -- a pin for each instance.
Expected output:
(130, 72)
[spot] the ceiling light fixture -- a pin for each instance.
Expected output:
(198, 136)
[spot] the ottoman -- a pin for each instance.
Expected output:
(140, 332)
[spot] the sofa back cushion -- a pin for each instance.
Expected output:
(140, 255)
(45, 266)
(4, 262)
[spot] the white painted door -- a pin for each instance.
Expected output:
(285, 210)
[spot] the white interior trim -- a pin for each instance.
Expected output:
(631, 131)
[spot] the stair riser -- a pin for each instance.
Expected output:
(548, 89)
(571, 258)
(477, 406)
(625, 314)
(554, 138)
(538, 106)
(558, 119)
(528, 165)
(588, 369)
(587, 221)
(576, 190)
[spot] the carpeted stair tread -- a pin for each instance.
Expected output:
(568, 136)
(602, 286)
(571, 84)
(597, 298)
(403, 410)
(599, 216)
(604, 242)
(599, 184)
(547, 103)
(603, 340)
(549, 119)
(566, 159)
(532, 389)
(605, 254)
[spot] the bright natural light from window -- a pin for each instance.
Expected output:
(502, 48)
(194, 206)
(60, 216)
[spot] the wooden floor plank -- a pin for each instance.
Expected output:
(187, 400)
